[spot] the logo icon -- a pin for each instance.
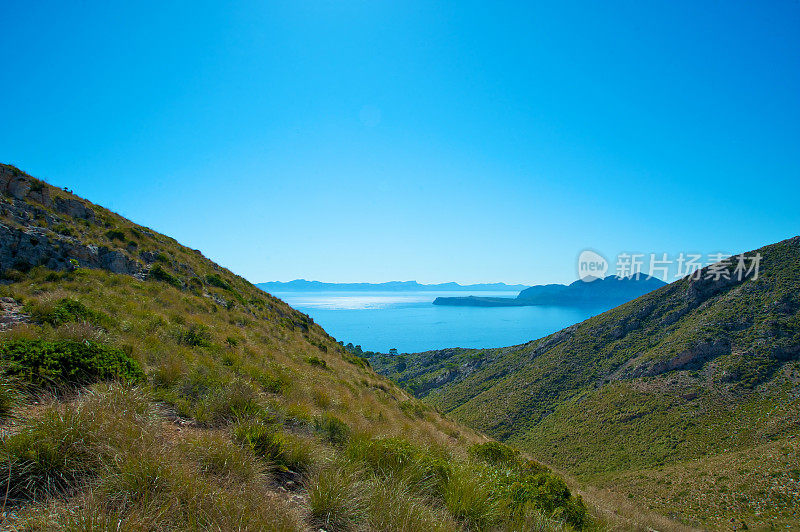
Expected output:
(591, 266)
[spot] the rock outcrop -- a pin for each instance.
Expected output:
(29, 235)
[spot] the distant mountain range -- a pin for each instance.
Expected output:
(301, 285)
(609, 292)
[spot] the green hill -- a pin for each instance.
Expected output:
(685, 400)
(143, 387)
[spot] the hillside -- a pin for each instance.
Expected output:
(686, 400)
(602, 293)
(143, 387)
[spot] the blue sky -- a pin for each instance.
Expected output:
(376, 141)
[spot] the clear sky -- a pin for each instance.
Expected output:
(435, 141)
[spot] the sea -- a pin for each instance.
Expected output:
(410, 322)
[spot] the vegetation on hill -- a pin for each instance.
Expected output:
(700, 372)
(149, 388)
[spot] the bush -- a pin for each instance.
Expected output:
(548, 494)
(46, 363)
(494, 453)
(62, 229)
(114, 234)
(158, 273)
(215, 280)
(356, 360)
(316, 361)
(270, 382)
(65, 310)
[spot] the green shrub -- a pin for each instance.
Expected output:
(62, 229)
(316, 361)
(356, 360)
(271, 382)
(215, 280)
(13, 275)
(548, 494)
(47, 363)
(494, 453)
(115, 234)
(65, 310)
(160, 274)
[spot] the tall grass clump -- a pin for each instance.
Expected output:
(65, 310)
(216, 455)
(236, 400)
(281, 450)
(333, 429)
(393, 506)
(423, 470)
(468, 495)
(62, 446)
(50, 455)
(11, 394)
(336, 497)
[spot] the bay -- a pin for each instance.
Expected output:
(409, 322)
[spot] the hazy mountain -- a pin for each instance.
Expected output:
(608, 292)
(300, 285)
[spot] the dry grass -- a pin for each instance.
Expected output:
(268, 441)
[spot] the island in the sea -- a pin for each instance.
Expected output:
(609, 291)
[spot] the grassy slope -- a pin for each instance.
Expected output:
(252, 417)
(677, 380)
